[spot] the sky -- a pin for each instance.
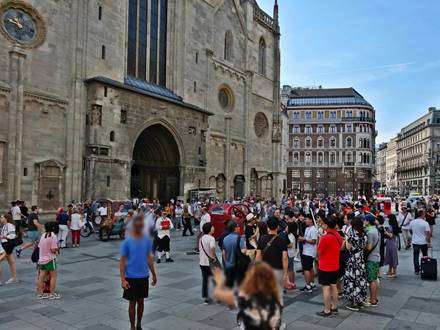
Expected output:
(388, 50)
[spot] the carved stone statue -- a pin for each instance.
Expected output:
(96, 115)
(276, 132)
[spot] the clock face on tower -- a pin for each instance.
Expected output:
(19, 25)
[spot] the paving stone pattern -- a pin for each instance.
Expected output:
(89, 283)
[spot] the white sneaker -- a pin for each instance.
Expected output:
(11, 281)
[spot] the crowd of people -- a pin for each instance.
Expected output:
(340, 245)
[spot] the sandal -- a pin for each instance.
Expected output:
(324, 314)
(54, 296)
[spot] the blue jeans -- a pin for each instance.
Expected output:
(416, 253)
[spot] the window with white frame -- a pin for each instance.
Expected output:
(309, 130)
(320, 142)
(348, 128)
(349, 142)
(320, 129)
(332, 129)
(295, 157)
(333, 114)
(332, 158)
(320, 114)
(333, 142)
(320, 158)
(308, 142)
(296, 115)
(308, 115)
(295, 129)
(296, 143)
(308, 157)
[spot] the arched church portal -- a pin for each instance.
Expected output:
(155, 171)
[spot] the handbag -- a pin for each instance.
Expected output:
(213, 262)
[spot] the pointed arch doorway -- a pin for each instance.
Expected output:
(155, 171)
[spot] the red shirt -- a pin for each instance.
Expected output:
(329, 250)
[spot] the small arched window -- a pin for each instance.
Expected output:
(308, 158)
(332, 158)
(320, 142)
(320, 158)
(332, 142)
(112, 136)
(262, 57)
(349, 142)
(229, 40)
(308, 142)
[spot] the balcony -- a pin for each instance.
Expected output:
(363, 119)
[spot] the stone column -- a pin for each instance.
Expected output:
(15, 135)
(227, 164)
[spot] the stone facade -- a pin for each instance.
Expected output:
(391, 166)
(381, 166)
(418, 155)
(72, 115)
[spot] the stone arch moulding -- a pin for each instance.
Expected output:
(170, 128)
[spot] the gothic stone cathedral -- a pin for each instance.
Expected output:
(138, 98)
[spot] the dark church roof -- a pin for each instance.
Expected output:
(148, 89)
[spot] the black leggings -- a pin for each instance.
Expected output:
(206, 273)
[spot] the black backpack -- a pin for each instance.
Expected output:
(242, 261)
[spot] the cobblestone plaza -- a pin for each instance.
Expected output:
(90, 285)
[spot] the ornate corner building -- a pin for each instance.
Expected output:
(331, 141)
(145, 98)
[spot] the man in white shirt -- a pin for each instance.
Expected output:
(309, 253)
(404, 219)
(102, 211)
(421, 237)
(204, 219)
(17, 216)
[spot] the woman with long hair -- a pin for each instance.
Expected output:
(7, 236)
(392, 245)
(355, 279)
(257, 299)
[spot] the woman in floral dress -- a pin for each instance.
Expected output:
(355, 281)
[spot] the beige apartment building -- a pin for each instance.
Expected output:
(381, 168)
(391, 167)
(418, 155)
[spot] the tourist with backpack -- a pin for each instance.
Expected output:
(231, 244)
(272, 249)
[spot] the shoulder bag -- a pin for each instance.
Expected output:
(213, 262)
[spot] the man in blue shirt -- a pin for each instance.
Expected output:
(135, 264)
(229, 252)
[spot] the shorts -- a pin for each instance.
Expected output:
(307, 262)
(163, 244)
(138, 289)
(328, 278)
(372, 270)
(20, 224)
(50, 266)
(8, 247)
(34, 235)
(290, 267)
